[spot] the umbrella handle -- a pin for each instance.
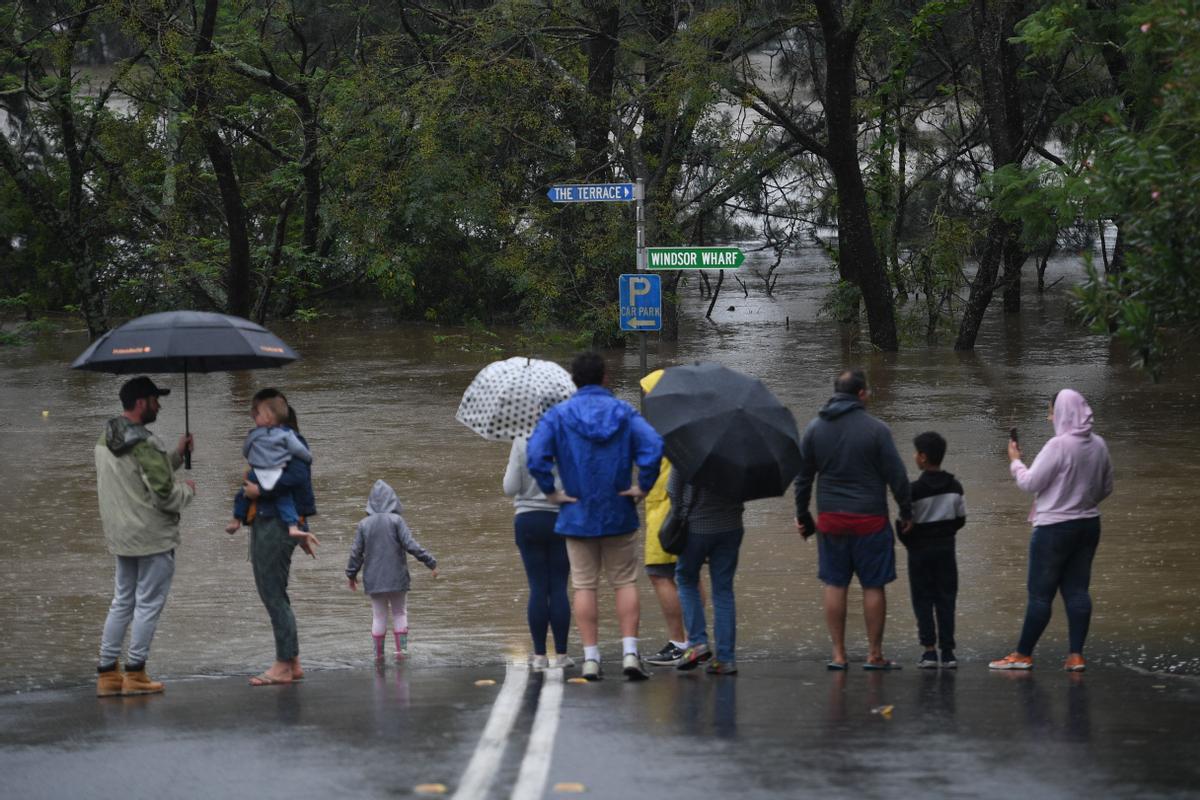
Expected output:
(187, 427)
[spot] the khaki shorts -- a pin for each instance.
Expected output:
(618, 555)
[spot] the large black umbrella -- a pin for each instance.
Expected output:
(725, 431)
(185, 341)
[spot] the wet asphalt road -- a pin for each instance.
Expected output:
(775, 730)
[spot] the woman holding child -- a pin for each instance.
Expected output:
(1069, 478)
(271, 543)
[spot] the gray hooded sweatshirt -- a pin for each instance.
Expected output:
(382, 539)
(856, 459)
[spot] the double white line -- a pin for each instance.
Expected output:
(535, 766)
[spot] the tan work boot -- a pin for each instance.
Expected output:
(109, 683)
(138, 682)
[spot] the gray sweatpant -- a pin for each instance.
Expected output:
(142, 585)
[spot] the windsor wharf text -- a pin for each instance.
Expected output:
(694, 258)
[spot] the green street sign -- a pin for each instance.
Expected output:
(694, 258)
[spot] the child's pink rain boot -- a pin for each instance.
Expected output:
(378, 646)
(402, 643)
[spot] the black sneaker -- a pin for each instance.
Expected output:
(667, 657)
(948, 660)
(929, 660)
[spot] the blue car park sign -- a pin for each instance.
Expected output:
(592, 193)
(641, 302)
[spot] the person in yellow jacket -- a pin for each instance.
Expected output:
(660, 565)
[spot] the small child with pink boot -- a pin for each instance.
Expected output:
(380, 544)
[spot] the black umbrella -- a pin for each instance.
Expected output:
(725, 431)
(185, 341)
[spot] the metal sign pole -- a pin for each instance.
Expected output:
(641, 259)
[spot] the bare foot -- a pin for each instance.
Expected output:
(297, 670)
(279, 673)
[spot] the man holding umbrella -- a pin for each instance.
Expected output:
(140, 502)
(856, 459)
(595, 440)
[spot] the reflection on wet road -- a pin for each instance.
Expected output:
(778, 729)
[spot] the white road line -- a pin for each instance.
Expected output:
(535, 767)
(477, 777)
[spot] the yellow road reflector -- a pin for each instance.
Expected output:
(485, 682)
(570, 788)
(577, 680)
(45, 413)
(430, 788)
(883, 711)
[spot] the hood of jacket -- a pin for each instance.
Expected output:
(1072, 414)
(595, 414)
(383, 499)
(121, 435)
(938, 481)
(840, 404)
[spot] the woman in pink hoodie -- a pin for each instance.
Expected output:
(1069, 478)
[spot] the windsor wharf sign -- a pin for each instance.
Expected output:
(694, 258)
(592, 193)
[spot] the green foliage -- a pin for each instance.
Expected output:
(308, 315)
(842, 302)
(1043, 199)
(936, 274)
(438, 127)
(1152, 176)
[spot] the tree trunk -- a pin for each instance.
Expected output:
(237, 271)
(1000, 233)
(858, 257)
(1014, 260)
(601, 50)
(994, 24)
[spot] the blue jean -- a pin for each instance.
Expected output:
(721, 551)
(1060, 560)
(284, 503)
(544, 554)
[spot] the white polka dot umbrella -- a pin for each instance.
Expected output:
(507, 398)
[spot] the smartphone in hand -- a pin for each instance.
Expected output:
(1012, 434)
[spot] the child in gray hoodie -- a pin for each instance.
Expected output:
(380, 544)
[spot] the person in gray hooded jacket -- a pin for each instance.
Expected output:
(380, 544)
(855, 458)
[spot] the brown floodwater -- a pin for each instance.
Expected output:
(377, 400)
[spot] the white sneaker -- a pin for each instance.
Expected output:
(562, 661)
(591, 669)
(538, 663)
(633, 667)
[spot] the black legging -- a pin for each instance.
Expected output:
(544, 554)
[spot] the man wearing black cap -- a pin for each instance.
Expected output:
(140, 501)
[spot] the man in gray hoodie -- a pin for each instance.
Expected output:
(856, 459)
(140, 502)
